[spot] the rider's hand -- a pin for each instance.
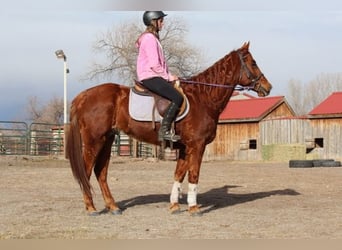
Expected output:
(173, 78)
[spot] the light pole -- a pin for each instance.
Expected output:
(60, 55)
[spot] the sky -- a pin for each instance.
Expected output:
(297, 40)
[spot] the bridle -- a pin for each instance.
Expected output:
(253, 85)
(254, 80)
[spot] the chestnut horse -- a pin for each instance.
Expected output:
(98, 113)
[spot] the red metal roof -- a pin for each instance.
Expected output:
(251, 109)
(241, 95)
(331, 105)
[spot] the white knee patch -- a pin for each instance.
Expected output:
(176, 192)
(192, 194)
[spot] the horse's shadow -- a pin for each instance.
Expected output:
(211, 200)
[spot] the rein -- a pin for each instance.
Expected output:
(229, 86)
(244, 68)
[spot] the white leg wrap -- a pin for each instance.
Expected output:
(176, 192)
(192, 195)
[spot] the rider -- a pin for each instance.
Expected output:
(152, 71)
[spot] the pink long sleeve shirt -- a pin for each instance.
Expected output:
(151, 60)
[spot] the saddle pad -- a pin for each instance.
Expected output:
(140, 108)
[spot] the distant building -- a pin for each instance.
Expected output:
(326, 128)
(238, 135)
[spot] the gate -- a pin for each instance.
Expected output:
(122, 145)
(17, 138)
(46, 139)
(13, 138)
(145, 150)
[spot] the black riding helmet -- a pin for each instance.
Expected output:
(152, 15)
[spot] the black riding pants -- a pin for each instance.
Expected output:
(163, 88)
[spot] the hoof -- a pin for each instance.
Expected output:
(175, 208)
(116, 212)
(93, 213)
(196, 214)
(195, 211)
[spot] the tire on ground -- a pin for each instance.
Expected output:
(319, 162)
(300, 164)
(331, 164)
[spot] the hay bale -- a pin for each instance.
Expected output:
(283, 152)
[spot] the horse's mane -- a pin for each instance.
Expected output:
(220, 72)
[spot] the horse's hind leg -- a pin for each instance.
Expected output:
(101, 172)
(90, 159)
(87, 197)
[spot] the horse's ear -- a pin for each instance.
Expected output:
(245, 45)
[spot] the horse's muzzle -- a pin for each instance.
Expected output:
(262, 90)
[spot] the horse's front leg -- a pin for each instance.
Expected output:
(190, 161)
(176, 191)
(194, 160)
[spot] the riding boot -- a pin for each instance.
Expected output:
(165, 132)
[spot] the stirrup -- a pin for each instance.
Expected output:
(171, 136)
(168, 136)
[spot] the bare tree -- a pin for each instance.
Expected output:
(119, 51)
(34, 109)
(296, 96)
(321, 87)
(304, 97)
(51, 112)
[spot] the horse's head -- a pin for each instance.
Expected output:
(250, 74)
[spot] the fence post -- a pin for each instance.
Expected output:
(65, 136)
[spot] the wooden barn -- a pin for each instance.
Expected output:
(317, 135)
(238, 134)
(325, 139)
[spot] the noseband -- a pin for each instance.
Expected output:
(254, 80)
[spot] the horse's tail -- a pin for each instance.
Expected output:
(75, 156)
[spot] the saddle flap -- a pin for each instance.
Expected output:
(161, 103)
(147, 106)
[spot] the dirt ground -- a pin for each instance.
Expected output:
(39, 199)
